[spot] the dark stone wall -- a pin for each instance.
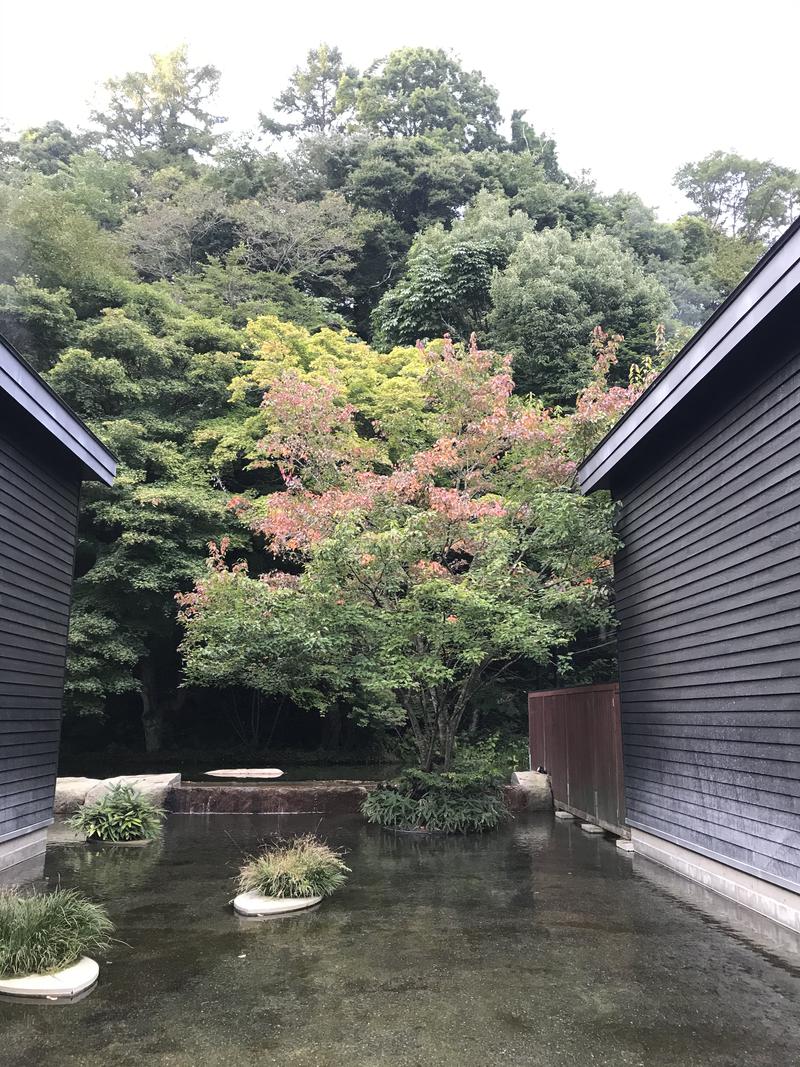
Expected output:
(291, 798)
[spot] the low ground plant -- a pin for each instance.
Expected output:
(302, 867)
(455, 802)
(122, 814)
(45, 932)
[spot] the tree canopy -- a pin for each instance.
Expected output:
(416, 92)
(748, 198)
(160, 116)
(228, 310)
(423, 578)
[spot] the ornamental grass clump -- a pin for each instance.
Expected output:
(303, 867)
(45, 932)
(455, 802)
(123, 814)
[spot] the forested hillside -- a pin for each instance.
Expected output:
(161, 274)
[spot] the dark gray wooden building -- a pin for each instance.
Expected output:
(45, 453)
(706, 470)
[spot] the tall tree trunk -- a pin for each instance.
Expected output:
(332, 729)
(449, 742)
(152, 710)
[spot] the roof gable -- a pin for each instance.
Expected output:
(21, 382)
(772, 279)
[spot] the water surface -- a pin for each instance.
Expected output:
(536, 945)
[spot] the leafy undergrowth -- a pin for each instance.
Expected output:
(123, 814)
(456, 802)
(302, 867)
(45, 932)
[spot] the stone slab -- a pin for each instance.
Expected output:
(71, 793)
(625, 845)
(592, 828)
(247, 772)
(535, 788)
(65, 983)
(154, 786)
(564, 815)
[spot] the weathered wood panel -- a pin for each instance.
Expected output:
(708, 597)
(575, 735)
(39, 490)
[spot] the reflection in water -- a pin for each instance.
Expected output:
(757, 929)
(112, 871)
(535, 945)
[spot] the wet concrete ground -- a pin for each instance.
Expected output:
(536, 945)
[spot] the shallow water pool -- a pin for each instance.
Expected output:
(534, 945)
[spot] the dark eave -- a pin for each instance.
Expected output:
(21, 382)
(775, 275)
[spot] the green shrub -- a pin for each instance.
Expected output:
(303, 867)
(123, 814)
(45, 932)
(456, 802)
(494, 756)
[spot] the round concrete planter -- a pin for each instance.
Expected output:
(256, 904)
(420, 832)
(61, 985)
(139, 843)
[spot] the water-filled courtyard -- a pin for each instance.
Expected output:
(536, 944)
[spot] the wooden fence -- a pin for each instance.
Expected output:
(575, 736)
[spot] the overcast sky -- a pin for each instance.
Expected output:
(630, 90)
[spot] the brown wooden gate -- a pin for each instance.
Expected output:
(575, 735)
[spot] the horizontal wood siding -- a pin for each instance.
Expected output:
(39, 490)
(708, 597)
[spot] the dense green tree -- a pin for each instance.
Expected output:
(160, 116)
(177, 225)
(227, 289)
(448, 278)
(244, 170)
(554, 291)
(747, 198)
(39, 322)
(322, 163)
(414, 180)
(315, 242)
(716, 261)
(146, 389)
(47, 148)
(45, 235)
(636, 226)
(312, 97)
(103, 189)
(524, 139)
(417, 92)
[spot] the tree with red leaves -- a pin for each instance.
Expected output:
(407, 585)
